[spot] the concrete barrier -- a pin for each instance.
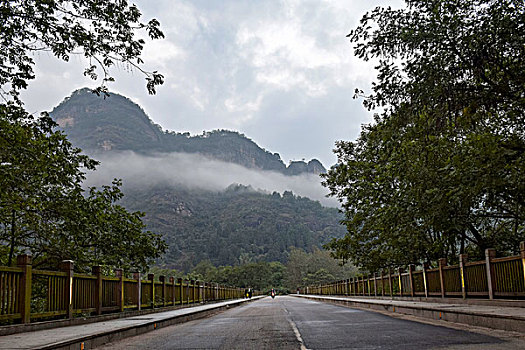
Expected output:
(88, 336)
(495, 317)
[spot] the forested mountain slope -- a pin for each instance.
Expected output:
(235, 226)
(228, 226)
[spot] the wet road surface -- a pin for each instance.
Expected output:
(295, 323)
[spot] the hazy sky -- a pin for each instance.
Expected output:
(280, 71)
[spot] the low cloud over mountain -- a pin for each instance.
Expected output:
(200, 172)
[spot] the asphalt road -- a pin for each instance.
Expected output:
(295, 323)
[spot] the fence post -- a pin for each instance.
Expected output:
(368, 285)
(138, 277)
(425, 282)
(411, 276)
(119, 273)
(162, 279)
(97, 272)
(490, 254)
(441, 263)
(198, 289)
(462, 262)
(181, 290)
(390, 283)
(375, 285)
(382, 284)
(67, 267)
(25, 263)
(399, 273)
(172, 282)
(522, 253)
(186, 291)
(151, 277)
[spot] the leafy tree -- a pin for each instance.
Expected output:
(37, 167)
(260, 276)
(441, 170)
(43, 208)
(317, 267)
(104, 32)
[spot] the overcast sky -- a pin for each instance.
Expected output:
(280, 71)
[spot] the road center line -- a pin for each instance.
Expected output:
(297, 334)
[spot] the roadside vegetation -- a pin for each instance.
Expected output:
(44, 210)
(441, 170)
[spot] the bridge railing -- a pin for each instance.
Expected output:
(28, 295)
(490, 278)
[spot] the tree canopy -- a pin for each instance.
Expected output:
(44, 210)
(104, 32)
(441, 170)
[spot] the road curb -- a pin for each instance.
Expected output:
(99, 338)
(473, 318)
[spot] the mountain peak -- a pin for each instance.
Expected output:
(99, 124)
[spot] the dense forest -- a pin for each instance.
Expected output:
(235, 226)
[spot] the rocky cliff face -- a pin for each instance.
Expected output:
(114, 123)
(100, 125)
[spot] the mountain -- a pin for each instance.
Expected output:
(227, 226)
(98, 125)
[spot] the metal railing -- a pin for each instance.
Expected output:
(490, 278)
(28, 295)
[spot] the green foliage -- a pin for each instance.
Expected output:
(441, 171)
(317, 267)
(44, 210)
(232, 227)
(104, 32)
(260, 275)
(302, 269)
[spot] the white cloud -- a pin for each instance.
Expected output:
(197, 171)
(162, 54)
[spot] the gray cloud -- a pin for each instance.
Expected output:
(197, 171)
(282, 72)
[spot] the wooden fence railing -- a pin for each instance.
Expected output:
(28, 295)
(490, 278)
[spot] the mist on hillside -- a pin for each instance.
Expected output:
(197, 171)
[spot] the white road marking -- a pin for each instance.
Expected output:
(297, 334)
